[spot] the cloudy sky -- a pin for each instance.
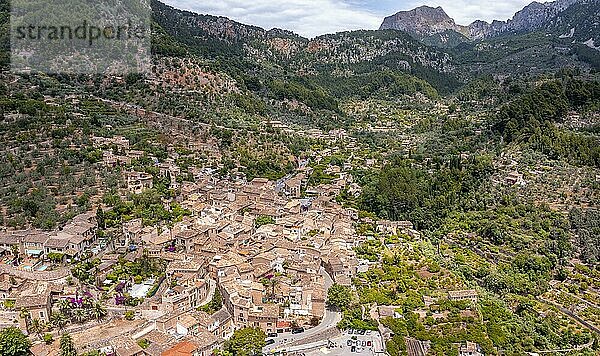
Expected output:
(315, 17)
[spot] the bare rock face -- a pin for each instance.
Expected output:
(532, 17)
(423, 21)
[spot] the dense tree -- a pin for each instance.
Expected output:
(339, 296)
(263, 220)
(304, 91)
(246, 342)
(587, 225)
(532, 118)
(403, 191)
(13, 342)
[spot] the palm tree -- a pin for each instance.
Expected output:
(79, 315)
(58, 320)
(86, 303)
(273, 282)
(64, 305)
(98, 311)
(103, 297)
(170, 226)
(14, 249)
(26, 316)
(37, 327)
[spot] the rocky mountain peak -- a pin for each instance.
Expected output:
(532, 17)
(422, 21)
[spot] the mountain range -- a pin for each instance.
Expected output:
(425, 22)
(424, 45)
(424, 42)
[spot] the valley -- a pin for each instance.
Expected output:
(423, 189)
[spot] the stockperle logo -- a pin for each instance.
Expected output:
(80, 36)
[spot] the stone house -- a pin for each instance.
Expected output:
(458, 295)
(137, 182)
(264, 317)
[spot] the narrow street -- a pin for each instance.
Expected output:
(211, 292)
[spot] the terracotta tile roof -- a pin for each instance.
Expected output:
(185, 348)
(284, 324)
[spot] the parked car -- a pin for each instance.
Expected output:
(272, 335)
(270, 341)
(297, 330)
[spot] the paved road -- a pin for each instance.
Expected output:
(342, 346)
(366, 345)
(320, 332)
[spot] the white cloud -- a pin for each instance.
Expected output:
(306, 17)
